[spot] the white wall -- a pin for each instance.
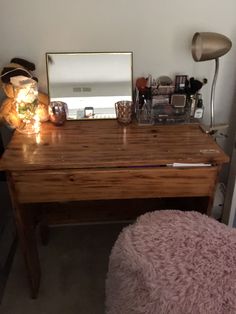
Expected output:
(159, 32)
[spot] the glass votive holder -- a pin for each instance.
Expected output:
(124, 111)
(58, 112)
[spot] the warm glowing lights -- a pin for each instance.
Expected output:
(26, 102)
(26, 94)
(36, 123)
(38, 138)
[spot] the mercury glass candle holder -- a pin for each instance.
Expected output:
(124, 111)
(58, 111)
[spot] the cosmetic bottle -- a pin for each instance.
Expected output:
(198, 114)
(192, 105)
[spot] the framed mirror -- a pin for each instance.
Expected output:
(90, 83)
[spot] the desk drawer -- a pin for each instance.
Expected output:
(73, 185)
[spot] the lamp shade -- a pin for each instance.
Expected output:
(208, 46)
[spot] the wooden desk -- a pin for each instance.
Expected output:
(101, 160)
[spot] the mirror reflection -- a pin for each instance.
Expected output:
(90, 83)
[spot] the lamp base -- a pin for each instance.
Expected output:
(214, 129)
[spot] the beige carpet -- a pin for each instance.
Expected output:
(74, 267)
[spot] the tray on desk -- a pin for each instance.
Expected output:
(162, 114)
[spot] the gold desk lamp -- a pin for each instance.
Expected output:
(208, 46)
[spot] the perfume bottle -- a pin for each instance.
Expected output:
(192, 105)
(198, 114)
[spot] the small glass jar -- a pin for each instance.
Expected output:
(58, 112)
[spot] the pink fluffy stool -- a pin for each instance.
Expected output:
(173, 262)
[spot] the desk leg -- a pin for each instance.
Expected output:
(209, 206)
(44, 232)
(212, 196)
(27, 237)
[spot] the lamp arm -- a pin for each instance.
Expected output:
(213, 86)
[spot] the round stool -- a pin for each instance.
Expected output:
(176, 262)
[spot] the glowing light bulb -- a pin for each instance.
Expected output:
(36, 124)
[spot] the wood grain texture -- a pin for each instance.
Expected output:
(99, 144)
(72, 185)
(93, 161)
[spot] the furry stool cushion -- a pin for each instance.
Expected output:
(173, 262)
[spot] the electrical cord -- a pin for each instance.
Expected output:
(15, 69)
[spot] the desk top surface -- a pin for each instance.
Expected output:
(104, 143)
